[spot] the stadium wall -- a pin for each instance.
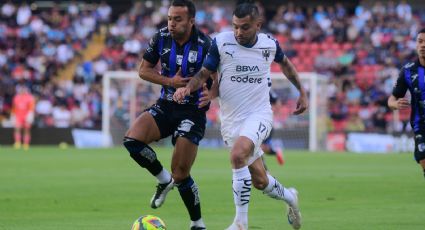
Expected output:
(40, 136)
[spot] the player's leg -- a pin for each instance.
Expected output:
(241, 180)
(263, 181)
(27, 131)
(17, 134)
(190, 130)
(420, 150)
(183, 158)
(249, 136)
(422, 163)
(268, 149)
(27, 137)
(137, 139)
(17, 137)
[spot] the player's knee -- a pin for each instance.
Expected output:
(139, 151)
(238, 160)
(239, 156)
(259, 183)
(180, 173)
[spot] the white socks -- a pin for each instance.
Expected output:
(241, 194)
(276, 190)
(163, 177)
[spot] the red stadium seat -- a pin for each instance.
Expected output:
(347, 46)
(335, 46)
(325, 46)
(314, 46)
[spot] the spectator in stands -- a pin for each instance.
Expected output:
(23, 15)
(36, 47)
(61, 116)
(43, 110)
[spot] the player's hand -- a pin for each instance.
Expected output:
(302, 104)
(180, 94)
(178, 80)
(403, 103)
(205, 96)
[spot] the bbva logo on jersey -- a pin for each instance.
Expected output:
(245, 68)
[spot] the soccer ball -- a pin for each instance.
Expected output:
(149, 222)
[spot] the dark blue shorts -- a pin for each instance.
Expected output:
(179, 120)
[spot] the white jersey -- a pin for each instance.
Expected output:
(244, 75)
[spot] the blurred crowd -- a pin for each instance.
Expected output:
(35, 44)
(358, 50)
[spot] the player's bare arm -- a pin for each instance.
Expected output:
(148, 72)
(208, 95)
(398, 103)
(291, 73)
(194, 84)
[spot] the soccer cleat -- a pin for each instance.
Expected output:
(26, 147)
(197, 225)
(197, 228)
(279, 156)
(161, 192)
(294, 214)
(17, 145)
(236, 226)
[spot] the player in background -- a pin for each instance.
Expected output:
(412, 78)
(181, 49)
(267, 146)
(23, 105)
(242, 59)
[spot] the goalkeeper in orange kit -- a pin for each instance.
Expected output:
(23, 116)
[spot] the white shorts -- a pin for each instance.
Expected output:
(256, 127)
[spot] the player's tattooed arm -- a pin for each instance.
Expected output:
(197, 81)
(291, 73)
(194, 84)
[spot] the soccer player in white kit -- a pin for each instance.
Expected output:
(242, 59)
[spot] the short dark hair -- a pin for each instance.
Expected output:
(246, 8)
(186, 3)
(421, 31)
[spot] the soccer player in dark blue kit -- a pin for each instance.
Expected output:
(181, 48)
(412, 78)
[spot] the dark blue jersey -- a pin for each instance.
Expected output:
(189, 57)
(411, 77)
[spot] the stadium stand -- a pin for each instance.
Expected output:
(359, 49)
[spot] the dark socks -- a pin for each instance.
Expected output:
(189, 193)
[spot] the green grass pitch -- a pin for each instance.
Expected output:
(48, 188)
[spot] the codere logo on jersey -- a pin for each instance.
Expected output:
(246, 79)
(245, 68)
